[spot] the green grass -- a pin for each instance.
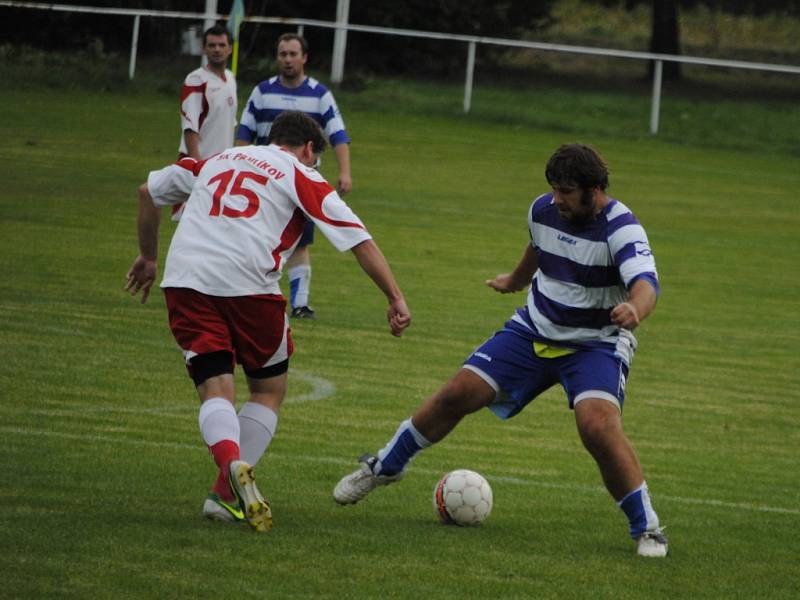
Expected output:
(105, 472)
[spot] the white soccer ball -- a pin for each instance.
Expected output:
(462, 497)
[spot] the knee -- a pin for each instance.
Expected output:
(463, 395)
(598, 426)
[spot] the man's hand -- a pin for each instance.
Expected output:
(141, 276)
(399, 317)
(505, 284)
(625, 315)
(345, 184)
(641, 302)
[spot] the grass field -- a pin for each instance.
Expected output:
(105, 472)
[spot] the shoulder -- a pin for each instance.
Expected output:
(541, 205)
(267, 86)
(618, 215)
(196, 77)
(316, 87)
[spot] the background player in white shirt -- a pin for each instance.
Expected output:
(208, 100)
(208, 103)
(245, 213)
(592, 280)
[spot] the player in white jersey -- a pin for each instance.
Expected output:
(291, 89)
(592, 281)
(244, 215)
(209, 101)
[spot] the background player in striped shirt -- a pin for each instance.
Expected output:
(592, 280)
(291, 89)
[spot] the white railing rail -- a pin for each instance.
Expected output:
(337, 70)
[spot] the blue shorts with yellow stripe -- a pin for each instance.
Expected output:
(519, 368)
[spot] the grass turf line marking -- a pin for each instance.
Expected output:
(321, 389)
(348, 462)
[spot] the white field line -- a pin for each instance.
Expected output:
(277, 456)
(321, 389)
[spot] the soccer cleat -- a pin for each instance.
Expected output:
(361, 482)
(216, 509)
(652, 544)
(303, 312)
(255, 509)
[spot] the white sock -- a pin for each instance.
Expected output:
(300, 282)
(257, 424)
(218, 421)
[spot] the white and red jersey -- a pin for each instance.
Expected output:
(245, 213)
(208, 107)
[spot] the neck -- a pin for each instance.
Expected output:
(217, 70)
(601, 201)
(293, 82)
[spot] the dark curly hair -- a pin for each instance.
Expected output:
(293, 128)
(577, 164)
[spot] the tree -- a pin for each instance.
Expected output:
(665, 37)
(399, 54)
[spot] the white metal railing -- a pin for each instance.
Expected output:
(342, 27)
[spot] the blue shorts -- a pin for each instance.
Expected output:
(308, 235)
(507, 362)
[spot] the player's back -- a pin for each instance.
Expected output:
(240, 223)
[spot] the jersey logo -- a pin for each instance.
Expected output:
(567, 240)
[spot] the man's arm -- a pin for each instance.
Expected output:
(246, 133)
(343, 158)
(371, 259)
(642, 299)
(192, 139)
(142, 273)
(518, 279)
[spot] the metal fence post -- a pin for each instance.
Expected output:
(340, 41)
(134, 46)
(468, 82)
(655, 106)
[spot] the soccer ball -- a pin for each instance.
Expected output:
(462, 497)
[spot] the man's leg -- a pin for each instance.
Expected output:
(234, 495)
(218, 422)
(600, 426)
(298, 269)
(258, 418)
(434, 419)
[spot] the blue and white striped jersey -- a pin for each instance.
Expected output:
(270, 98)
(584, 271)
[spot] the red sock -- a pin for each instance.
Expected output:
(224, 453)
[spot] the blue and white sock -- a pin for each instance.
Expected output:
(405, 444)
(299, 285)
(637, 507)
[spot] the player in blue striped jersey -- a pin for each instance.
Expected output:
(292, 89)
(592, 280)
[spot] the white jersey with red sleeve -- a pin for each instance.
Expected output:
(208, 107)
(173, 184)
(244, 217)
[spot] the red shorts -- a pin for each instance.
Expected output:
(254, 329)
